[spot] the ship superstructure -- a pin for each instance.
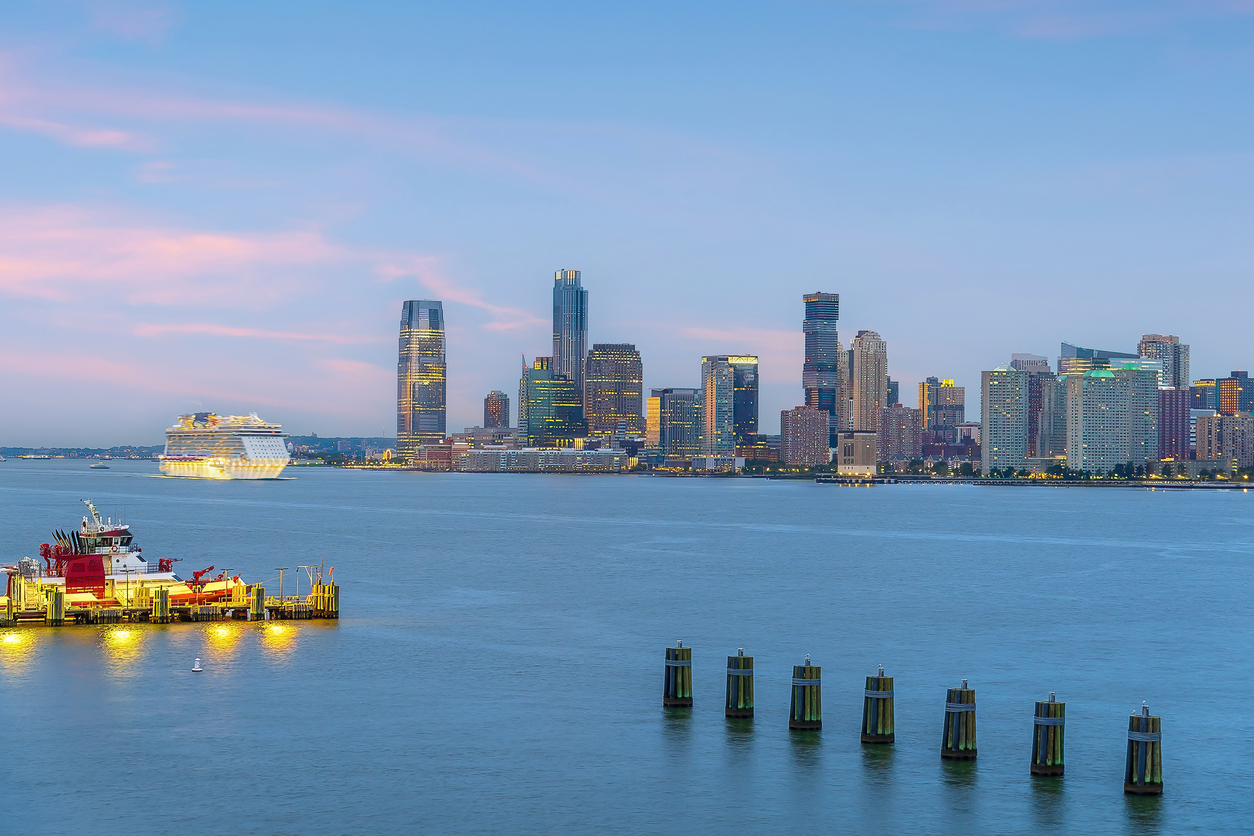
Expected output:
(204, 445)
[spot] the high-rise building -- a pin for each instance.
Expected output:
(821, 373)
(613, 390)
(1029, 362)
(678, 422)
(1234, 393)
(718, 429)
(870, 379)
(554, 409)
(1049, 439)
(745, 397)
(942, 406)
(1004, 425)
(1098, 426)
(1228, 439)
(1039, 375)
(496, 410)
(1172, 354)
(1204, 394)
(901, 433)
(421, 377)
(1173, 423)
(1143, 417)
(570, 326)
(803, 440)
(1075, 360)
(894, 392)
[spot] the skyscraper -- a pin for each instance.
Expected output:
(1173, 355)
(1004, 430)
(678, 422)
(745, 396)
(553, 410)
(943, 407)
(821, 376)
(901, 433)
(1098, 429)
(612, 389)
(1173, 423)
(717, 402)
(1143, 415)
(1073, 359)
(570, 326)
(803, 438)
(496, 410)
(870, 379)
(1234, 393)
(421, 377)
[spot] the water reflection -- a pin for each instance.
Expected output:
(223, 637)
(123, 646)
(806, 747)
(279, 637)
(959, 773)
(739, 734)
(1144, 813)
(17, 648)
(1047, 800)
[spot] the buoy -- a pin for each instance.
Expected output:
(739, 685)
(806, 712)
(196, 667)
(877, 709)
(959, 740)
(1047, 729)
(1143, 772)
(677, 687)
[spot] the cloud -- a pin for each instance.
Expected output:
(214, 330)
(77, 135)
(132, 21)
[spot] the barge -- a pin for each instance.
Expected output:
(98, 575)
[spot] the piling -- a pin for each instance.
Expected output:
(958, 742)
(1047, 737)
(1143, 772)
(55, 614)
(325, 599)
(10, 610)
(739, 685)
(257, 606)
(877, 709)
(161, 606)
(677, 687)
(806, 713)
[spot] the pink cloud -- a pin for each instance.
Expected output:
(83, 137)
(210, 329)
(428, 274)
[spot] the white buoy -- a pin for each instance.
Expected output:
(196, 667)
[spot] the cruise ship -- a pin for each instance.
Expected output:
(204, 445)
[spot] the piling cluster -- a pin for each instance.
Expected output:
(1143, 773)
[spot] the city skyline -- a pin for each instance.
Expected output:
(272, 211)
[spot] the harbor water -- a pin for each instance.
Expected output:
(497, 667)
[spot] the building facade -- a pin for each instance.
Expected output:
(1109, 419)
(613, 390)
(1226, 439)
(856, 454)
(421, 377)
(870, 379)
(1004, 413)
(803, 437)
(570, 326)
(942, 407)
(554, 408)
(1234, 393)
(822, 376)
(901, 433)
(1173, 423)
(1073, 359)
(1204, 394)
(496, 410)
(678, 422)
(718, 429)
(1173, 355)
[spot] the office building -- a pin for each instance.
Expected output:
(1173, 423)
(1098, 429)
(825, 368)
(803, 438)
(1173, 355)
(1004, 418)
(677, 422)
(942, 406)
(745, 395)
(1234, 393)
(901, 433)
(729, 402)
(421, 377)
(894, 392)
(856, 453)
(613, 390)
(553, 411)
(1048, 438)
(1143, 417)
(1204, 394)
(1076, 360)
(761, 448)
(570, 326)
(1226, 439)
(496, 410)
(870, 379)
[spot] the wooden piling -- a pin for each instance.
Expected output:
(677, 686)
(161, 606)
(54, 616)
(877, 709)
(739, 685)
(958, 742)
(806, 712)
(1143, 770)
(1047, 737)
(257, 606)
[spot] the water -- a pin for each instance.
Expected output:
(498, 664)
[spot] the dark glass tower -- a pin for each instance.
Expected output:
(496, 410)
(612, 390)
(820, 374)
(570, 326)
(421, 377)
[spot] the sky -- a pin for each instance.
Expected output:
(221, 206)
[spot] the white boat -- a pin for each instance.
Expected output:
(99, 466)
(204, 445)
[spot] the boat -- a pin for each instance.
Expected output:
(99, 466)
(204, 445)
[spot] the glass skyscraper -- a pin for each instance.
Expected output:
(613, 389)
(550, 410)
(570, 326)
(729, 402)
(496, 410)
(821, 371)
(421, 377)
(675, 422)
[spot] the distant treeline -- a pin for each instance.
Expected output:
(86, 452)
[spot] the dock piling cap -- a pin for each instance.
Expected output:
(740, 651)
(881, 673)
(807, 658)
(679, 643)
(1051, 697)
(1144, 708)
(964, 683)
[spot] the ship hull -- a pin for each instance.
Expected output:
(223, 468)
